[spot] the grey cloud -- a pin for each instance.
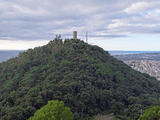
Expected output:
(41, 19)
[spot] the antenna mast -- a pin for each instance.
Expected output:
(87, 37)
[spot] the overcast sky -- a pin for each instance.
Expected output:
(111, 24)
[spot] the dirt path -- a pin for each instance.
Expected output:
(105, 117)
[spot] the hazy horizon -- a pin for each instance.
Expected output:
(106, 50)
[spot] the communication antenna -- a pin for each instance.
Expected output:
(86, 37)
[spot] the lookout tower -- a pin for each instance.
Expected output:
(74, 35)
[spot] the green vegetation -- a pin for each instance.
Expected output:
(54, 110)
(152, 113)
(85, 77)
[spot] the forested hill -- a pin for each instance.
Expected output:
(85, 77)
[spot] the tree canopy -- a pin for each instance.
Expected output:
(54, 110)
(152, 113)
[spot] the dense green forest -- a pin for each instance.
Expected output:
(85, 77)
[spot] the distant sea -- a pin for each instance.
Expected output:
(7, 54)
(130, 52)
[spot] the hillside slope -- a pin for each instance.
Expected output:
(85, 77)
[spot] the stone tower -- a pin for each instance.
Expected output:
(75, 35)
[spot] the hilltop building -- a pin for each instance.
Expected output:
(75, 35)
